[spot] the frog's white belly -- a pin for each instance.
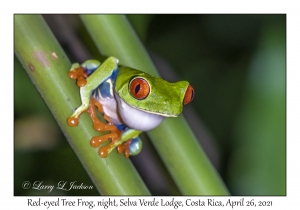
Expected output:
(137, 119)
(110, 109)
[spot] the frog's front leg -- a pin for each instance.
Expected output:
(81, 72)
(85, 99)
(129, 144)
(99, 74)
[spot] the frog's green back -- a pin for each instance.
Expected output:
(165, 98)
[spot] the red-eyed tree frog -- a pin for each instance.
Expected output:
(130, 100)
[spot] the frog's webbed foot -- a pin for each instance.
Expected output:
(124, 148)
(128, 148)
(105, 150)
(79, 73)
(128, 143)
(115, 142)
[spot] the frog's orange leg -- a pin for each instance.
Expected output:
(98, 125)
(114, 135)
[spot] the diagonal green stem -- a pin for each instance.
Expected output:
(47, 65)
(173, 139)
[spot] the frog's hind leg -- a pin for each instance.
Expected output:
(98, 125)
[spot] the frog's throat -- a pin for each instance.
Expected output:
(137, 119)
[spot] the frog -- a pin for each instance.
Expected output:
(131, 102)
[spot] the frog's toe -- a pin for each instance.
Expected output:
(98, 126)
(124, 148)
(97, 140)
(72, 121)
(81, 81)
(103, 152)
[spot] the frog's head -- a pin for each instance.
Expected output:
(152, 94)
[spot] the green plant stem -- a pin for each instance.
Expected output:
(47, 66)
(173, 139)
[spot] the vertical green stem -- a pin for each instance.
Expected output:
(176, 144)
(47, 65)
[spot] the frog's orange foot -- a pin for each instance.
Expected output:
(73, 121)
(124, 148)
(97, 140)
(79, 74)
(105, 150)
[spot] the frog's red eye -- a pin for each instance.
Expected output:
(139, 88)
(189, 95)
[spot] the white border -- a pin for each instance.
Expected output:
(154, 6)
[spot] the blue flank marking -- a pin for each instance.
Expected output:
(105, 89)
